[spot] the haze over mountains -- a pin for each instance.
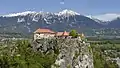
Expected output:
(27, 22)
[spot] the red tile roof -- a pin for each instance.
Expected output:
(62, 33)
(44, 31)
(65, 33)
(59, 33)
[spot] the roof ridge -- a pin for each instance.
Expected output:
(44, 30)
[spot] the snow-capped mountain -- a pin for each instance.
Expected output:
(59, 21)
(62, 13)
(27, 22)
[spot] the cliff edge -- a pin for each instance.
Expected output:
(70, 53)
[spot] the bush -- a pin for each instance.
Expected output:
(73, 33)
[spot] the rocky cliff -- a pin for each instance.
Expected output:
(71, 53)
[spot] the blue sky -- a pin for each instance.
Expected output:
(87, 7)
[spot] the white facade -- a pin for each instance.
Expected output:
(43, 35)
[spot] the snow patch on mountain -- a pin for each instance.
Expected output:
(35, 19)
(67, 13)
(46, 21)
(21, 20)
(28, 23)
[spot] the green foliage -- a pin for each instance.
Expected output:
(76, 54)
(68, 66)
(21, 55)
(110, 64)
(73, 33)
(100, 58)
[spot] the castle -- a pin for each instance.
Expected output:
(47, 33)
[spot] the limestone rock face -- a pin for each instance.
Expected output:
(72, 53)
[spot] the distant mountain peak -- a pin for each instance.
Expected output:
(68, 12)
(106, 17)
(95, 19)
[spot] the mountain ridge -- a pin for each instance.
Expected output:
(66, 12)
(63, 12)
(29, 21)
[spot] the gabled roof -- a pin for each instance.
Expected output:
(59, 33)
(44, 31)
(62, 33)
(65, 33)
